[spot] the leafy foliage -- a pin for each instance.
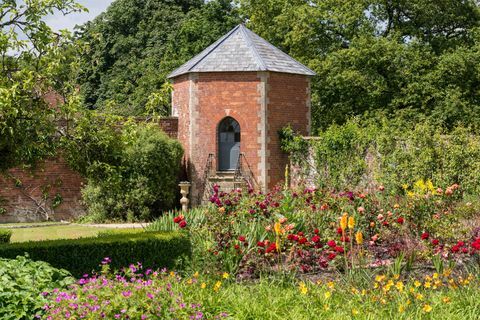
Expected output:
(136, 43)
(131, 169)
(379, 55)
(80, 256)
(22, 282)
(31, 67)
(5, 235)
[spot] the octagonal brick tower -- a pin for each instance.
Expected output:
(231, 100)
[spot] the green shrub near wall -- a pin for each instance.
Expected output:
(392, 152)
(81, 256)
(131, 170)
(5, 235)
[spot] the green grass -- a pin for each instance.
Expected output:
(276, 300)
(53, 232)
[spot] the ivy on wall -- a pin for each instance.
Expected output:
(388, 152)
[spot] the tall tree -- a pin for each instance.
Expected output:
(136, 43)
(33, 63)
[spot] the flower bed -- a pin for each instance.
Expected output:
(317, 230)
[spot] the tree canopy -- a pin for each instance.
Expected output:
(34, 61)
(135, 44)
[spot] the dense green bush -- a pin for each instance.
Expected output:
(394, 153)
(5, 235)
(84, 255)
(131, 170)
(22, 282)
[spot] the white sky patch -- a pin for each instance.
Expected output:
(59, 21)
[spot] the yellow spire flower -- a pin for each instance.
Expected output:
(344, 221)
(351, 222)
(277, 227)
(359, 237)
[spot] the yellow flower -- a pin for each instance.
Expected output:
(354, 311)
(203, 285)
(427, 308)
(221, 210)
(331, 285)
(225, 275)
(277, 227)
(435, 275)
(419, 296)
(328, 294)
(189, 281)
(399, 286)
(446, 300)
(351, 223)
(380, 278)
(217, 286)
(196, 274)
(303, 288)
(344, 221)
(401, 308)
(417, 283)
(428, 284)
(359, 237)
(172, 274)
(364, 292)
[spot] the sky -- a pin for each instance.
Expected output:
(59, 21)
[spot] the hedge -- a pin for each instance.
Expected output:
(5, 235)
(84, 255)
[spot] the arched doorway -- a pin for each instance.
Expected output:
(228, 144)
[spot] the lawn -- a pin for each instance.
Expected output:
(52, 232)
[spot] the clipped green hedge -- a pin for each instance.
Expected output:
(5, 235)
(81, 256)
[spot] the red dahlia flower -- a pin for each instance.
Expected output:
(182, 224)
(316, 239)
(400, 220)
(425, 236)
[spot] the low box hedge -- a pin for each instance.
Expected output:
(84, 255)
(5, 235)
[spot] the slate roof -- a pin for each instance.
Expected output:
(242, 50)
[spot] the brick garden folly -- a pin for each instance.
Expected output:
(228, 104)
(231, 100)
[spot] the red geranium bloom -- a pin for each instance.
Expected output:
(331, 256)
(476, 244)
(339, 249)
(316, 231)
(177, 219)
(300, 234)
(237, 246)
(182, 224)
(316, 239)
(339, 231)
(302, 240)
(400, 220)
(455, 249)
(331, 244)
(241, 239)
(425, 236)
(271, 248)
(435, 242)
(460, 243)
(261, 244)
(345, 239)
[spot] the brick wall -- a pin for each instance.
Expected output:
(202, 101)
(288, 103)
(22, 190)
